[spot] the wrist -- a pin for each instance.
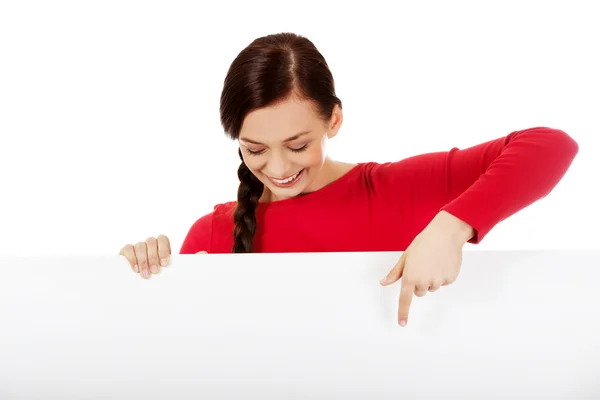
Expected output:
(454, 227)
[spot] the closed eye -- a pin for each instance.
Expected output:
(259, 152)
(300, 149)
(254, 153)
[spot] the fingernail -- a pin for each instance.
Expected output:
(384, 280)
(402, 322)
(135, 268)
(154, 269)
(163, 262)
(145, 272)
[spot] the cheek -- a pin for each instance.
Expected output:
(314, 157)
(254, 165)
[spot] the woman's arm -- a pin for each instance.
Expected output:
(480, 185)
(493, 181)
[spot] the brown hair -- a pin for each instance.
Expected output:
(269, 70)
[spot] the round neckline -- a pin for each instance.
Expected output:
(312, 195)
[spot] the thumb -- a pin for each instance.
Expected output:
(395, 273)
(202, 252)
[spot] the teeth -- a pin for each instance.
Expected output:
(282, 181)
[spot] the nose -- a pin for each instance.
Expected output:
(277, 166)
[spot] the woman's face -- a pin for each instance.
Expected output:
(284, 146)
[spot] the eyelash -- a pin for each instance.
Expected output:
(256, 153)
(300, 150)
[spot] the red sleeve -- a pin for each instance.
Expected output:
(492, 181)
(199, 236)
(484, 184)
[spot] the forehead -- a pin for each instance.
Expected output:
(279, 121)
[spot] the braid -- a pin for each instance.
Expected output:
(244, 216)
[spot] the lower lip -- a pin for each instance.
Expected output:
(288, 184)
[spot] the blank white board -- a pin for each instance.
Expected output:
(299, 326)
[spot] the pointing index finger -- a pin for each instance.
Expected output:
(406, 295)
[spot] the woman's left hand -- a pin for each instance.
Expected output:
(432, 260)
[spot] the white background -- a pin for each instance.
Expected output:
(109, 110)
(514, 325)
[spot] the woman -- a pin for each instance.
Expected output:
(279, 102)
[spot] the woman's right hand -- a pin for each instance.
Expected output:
(149, 256)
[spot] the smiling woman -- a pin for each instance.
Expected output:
(282, 159)
(279, 103)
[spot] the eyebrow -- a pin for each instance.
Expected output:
(296, 136)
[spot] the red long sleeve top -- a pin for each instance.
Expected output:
(383, 206)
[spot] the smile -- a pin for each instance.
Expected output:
(289, 181)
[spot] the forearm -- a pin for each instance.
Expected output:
(452, 227)
(526, 169)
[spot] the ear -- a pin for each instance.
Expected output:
(335, 122)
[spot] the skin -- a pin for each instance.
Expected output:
(432, 260)
(285, 138)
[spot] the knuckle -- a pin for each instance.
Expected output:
(151, 250)
(141, 256)
(152, 256)
(127, 252)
